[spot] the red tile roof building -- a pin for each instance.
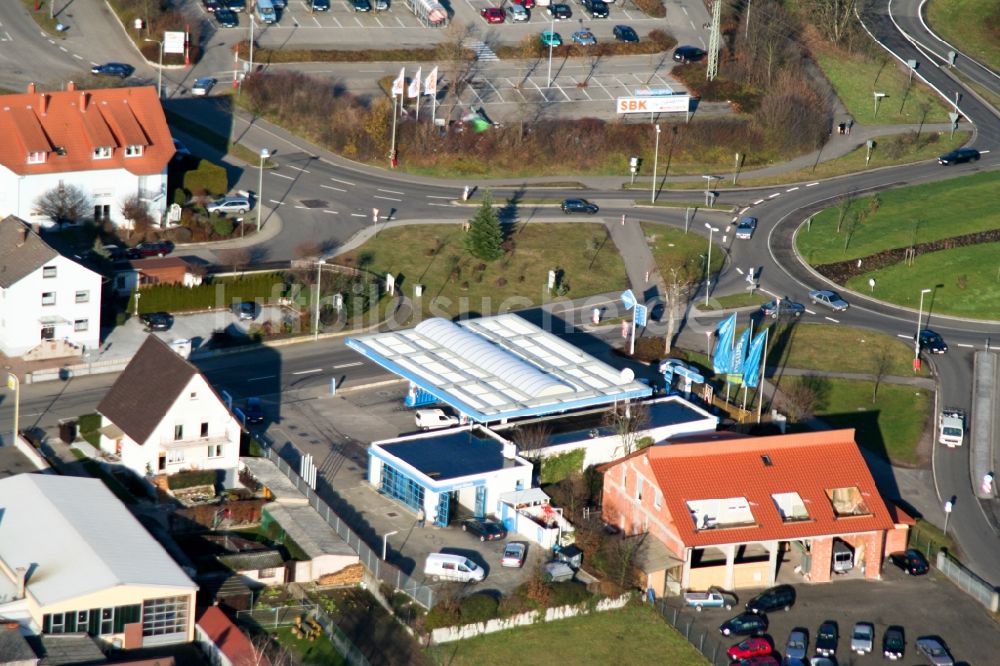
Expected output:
(225, 644)
(112, 143)
(730, 512)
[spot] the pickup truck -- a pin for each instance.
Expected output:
(715, 597)
(951, 426)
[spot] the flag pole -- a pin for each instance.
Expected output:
(760, 384)
(392, 150)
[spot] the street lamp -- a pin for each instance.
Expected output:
(708, 189)
(15, 385)
(264, 154)
(948, 506)
(319, 274)
(159, 72)
(878, 97)
(552, 38)
(708, 264)
(252, 25)
(656, 157)
(916, 340)
(385, 543)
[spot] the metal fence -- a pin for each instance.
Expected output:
(384, 571)
(970, 583)
(281, 616)
(344, 645)
(704, 640)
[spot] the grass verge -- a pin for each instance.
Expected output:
(972, 25)
(734, 301)
(41, 16)
(90, 428)
(319, 652)
(633, 635)
(809, 347)
(672, 248)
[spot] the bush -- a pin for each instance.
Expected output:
(445, 614)
(568, 593)
(192, 478)
(207, 177)
(652, 8)
(222, 226)
(478, 607)
(557, 468)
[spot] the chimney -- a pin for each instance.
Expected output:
(23, 235)
(31, 88)
(70, 87)
(43, 104)
(22, 575)
(84, 98)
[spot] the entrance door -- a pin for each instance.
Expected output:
(480, 501)
(444, 500)
(48, 332)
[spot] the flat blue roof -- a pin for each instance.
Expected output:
(449, 455)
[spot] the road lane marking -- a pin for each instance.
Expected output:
(308, 372)
(962, 344)
(432, 196)
(739, 270)
(758, 202)
(331, 212)
(900, 335)
(277, 203)
(835, 321)
(358, 215)
(810, 311)
(292, 166)
(281, 175)
(386, 198)
(379, 189)
(331, 187)
(442, 205)
(812, 184)
(791, 189)
(300, 207)
(776, 194)
(345, 182)
(348, 365)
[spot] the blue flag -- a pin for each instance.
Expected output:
(739, 353)
(751, 372)
(724, 350)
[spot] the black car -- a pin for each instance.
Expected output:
(893, 643)
(320, 5)
(686, 54)
(782, 308)
(744, 624)
(485, 529)
(827, 638)
(227, 18)
(361, 5)
(932, 342)
(624, 33)
(246, 310)
(150, 249)
(911, 561)
(560, 11)
(237, 5)
(253, 411)
(959, 156)
(211, 6)
(781, 597)
(579, 206)
(157, 321)
(596, 8)
(119, 69)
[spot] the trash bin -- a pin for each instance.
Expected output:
(67, 430)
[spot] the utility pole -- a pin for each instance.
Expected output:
(713, 42)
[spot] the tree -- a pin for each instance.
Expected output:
(881, 366)
(676, 293)
(628, 419)
(485, 235)
(531, 438)
(64, 203)
(803, 397)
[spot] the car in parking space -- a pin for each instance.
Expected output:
(686, 54)
(517, 13)
(624, 33)
(381, 5)
(932, 342)
(157, 321)
(119, 69)
(361, 5)
(827, 638)
(203, 86)
(280, 4)
(797, 645)
(253, 411)
(227, 18)
(912, 561)
(596, 8)
(744, 624)
(893, 642)
(823, 661)
(485, 528)
(238, 205)
(862, 637)
(751, 647)
(211, 6)
(492, 14)
(782, 308)
(578, 206)
(514, 554)
(319, 5)
(584, 37)
(830, 299)
(550, 38)
(246, 310)
(745, 227)
(935, 651)
(780, 597)
(236, 5)
(559, 11)
(150, 249)
(527, 4)
(959, 156)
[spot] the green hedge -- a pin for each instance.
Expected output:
(207, 176)
(569, 593)
(556, 468)
(190, 479)
(478, 607)
(178, 298)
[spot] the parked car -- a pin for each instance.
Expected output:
(579, 206)
(113, 252)
(744, 624)
(862, 637)
(361, 5)
(745, 227)
(203, 86)
(959, 156)
(444, 566)
(157, 321)
(430, 419)
(527, 4)
(253, 411)
(550, 38)
(237, 5)
(827, 638)
(517, 13)
(211, 6)
(227, 18)
(715, 597)
(751, 647)
(485, 528)
(624, 33)
(782, 308)
(320, 5)
(584, 37)
(760, 660)
(513, 554)
(823, 661)
(246, 310)
(493, 14)
(686, 54)
(781, 597)
(150, 249)
(381, 5)
(119, 69)
(935, 651)
(893, 643)
(830, 299)
(237, 205)
(797, 646)
(911, 561)
(180, 151)
(559, 12)
(596, 8)
(932, 342)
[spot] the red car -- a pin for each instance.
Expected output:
(493, 15)
(751, 647)
(527, 4)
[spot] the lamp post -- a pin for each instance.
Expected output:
(948, 506)
(159, 71)
(656, 158)
(252, 25)
(708, 264)
(319, 274)
(15, 385)
(385, 543)
(920, 316)
(878, 96)
(135, 312)
(264, 154)
(708, 189)
(552, 35)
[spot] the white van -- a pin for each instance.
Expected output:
(430, 419)
(441, 566)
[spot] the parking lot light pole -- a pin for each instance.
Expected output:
(552, 34)
(708, 264)
(319, 275)
(385, 543)
(15, 385)
(264, 154)
(920, 317)
(159, 71)
(948, 506)
(656, 157)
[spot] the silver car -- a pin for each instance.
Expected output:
(830, 299)
(798, 644)
(237, 205)
(745, 228)
(935, 651)
(862, 638)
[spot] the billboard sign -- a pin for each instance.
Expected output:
(661, 104)
(646, 91)
(173, 41)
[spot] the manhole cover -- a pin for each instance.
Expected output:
(314, 203)
(392, 514)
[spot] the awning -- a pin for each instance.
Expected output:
(651, 555)
(529, 497)
(52, 320)
(111, 431)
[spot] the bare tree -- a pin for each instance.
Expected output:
(530, 439)
(628, 419)
(238, 258)
(64, 203)
(134, 210)
(843, 207)
(834, 18)
(881, 366)
(801, 398)
(676, 293)
(621, 552)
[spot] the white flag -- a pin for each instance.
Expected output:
(414, 88)
(397, 85)
(431, 83)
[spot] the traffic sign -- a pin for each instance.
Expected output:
(641, 311)
(628, 299)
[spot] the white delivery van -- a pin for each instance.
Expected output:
(430, 419)
(442, 566)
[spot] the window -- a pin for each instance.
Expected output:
(624, 476)
(178, 433)
(658, 499)
(638, 488)
(81, 325)
(267, 573)
(175, 456)
(790, 507)
(93, 621)
(36, 158)
(726, 512)
(48, 298)
(848, 501)
(83, 296)
(204, 428)
(194, 395)
(48, 271)
(133, 151)
(165, 616)
(215, 451)
(102, 153)
(396, 484)
(107, 620)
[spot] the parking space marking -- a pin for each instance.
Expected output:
(301, 207)
(900, 335)
(967, 346)
(331, 212)
(810, 311)
(544, 98)
(358, 215)
(331, 187)
(604, 88)
(386, 198)
(277, 203)
(581, 89)
(499, 96)
(281, 175)
(559, 88)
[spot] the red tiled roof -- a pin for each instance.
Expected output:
(68, 125)
(231, 641)
(808, 464)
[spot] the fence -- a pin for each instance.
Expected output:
(281, 616)
(970, 583)
(384, 571)
(340, 640)
(705, 640)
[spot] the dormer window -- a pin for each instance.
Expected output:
(36, 158)
(133, 151)
(102, 153)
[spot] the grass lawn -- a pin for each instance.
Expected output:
(855, 78)
(455, 282)
(907, 215)
(41, 17)
(734, 301)
(971, 25)
(891, 426)
(671, 247)
(633, 635)
(89, 426)
(319, 652)
(828, 348)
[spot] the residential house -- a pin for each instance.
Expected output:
(141, 273)
(224, 643)
(732, 512)
(112, 143)
(256, 568)
(74, 560)
(161, 416)
(50, 306)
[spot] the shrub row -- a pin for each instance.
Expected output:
(658, 41)
(192, 478)
(557, 468)
(206, 178)
(217, 293)
(265, 55)
(485, 606)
